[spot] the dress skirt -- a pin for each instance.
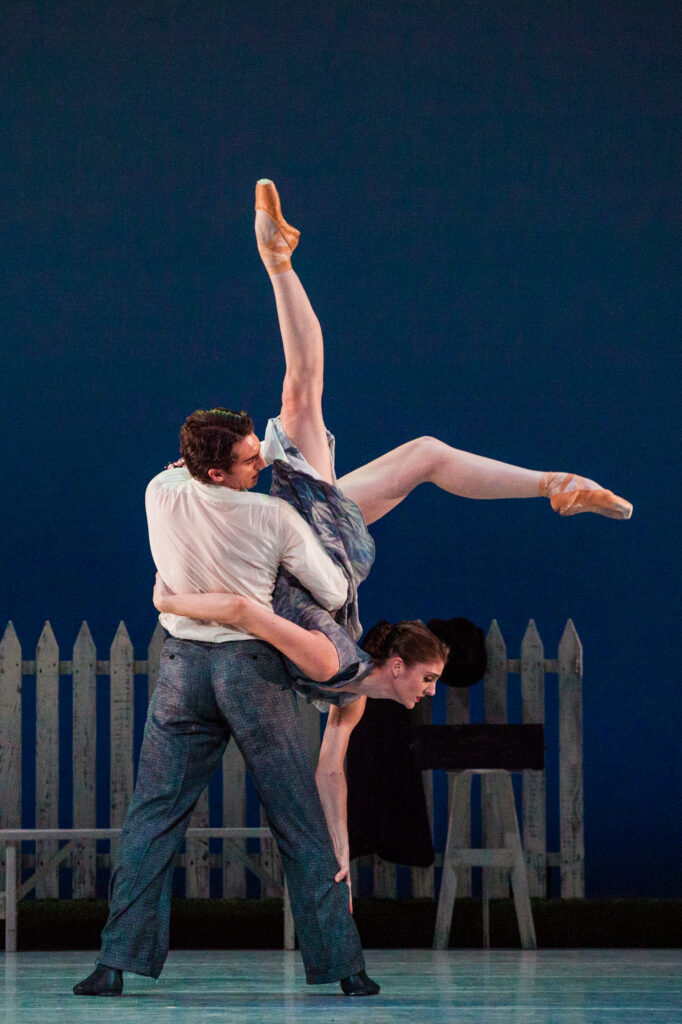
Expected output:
(338, 523)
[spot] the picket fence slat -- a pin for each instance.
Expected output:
(121, 666)
(47, 754)
(10, 736)
(121, 745)
(534, 829)
(571, 764)
(495, 711)
(84, 739)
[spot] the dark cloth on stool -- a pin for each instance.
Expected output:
(387, 811)
(468, 659)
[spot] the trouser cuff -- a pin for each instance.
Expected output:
(124, 964)
(313, 976)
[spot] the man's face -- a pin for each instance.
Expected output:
(243, 474)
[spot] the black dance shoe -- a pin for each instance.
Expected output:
(104, 981)
(359, 985)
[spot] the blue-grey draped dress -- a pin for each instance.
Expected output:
(338, 523)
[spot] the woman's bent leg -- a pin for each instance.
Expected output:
(382, 484)
(301, 413)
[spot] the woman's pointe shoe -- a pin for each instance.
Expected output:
(570, 494)
(276, 239)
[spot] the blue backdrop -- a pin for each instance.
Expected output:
(487, 198)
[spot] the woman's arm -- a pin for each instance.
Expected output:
(331, 781)
(310, 650)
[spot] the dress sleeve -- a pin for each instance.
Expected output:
(305, 558)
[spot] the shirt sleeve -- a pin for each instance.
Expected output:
(305, 558)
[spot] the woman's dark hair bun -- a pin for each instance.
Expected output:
(410, 640)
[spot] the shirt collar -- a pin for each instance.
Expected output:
(218, 494)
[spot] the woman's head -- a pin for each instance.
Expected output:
(208, 439)
(409, 656)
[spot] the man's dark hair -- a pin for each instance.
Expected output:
(208, 437)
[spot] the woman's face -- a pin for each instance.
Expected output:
(417, 681)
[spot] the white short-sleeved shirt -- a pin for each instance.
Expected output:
(206, 538)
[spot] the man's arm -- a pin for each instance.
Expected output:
(306, 559)
(331, 781)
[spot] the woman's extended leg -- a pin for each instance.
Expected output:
(301, 413)
(382, 484)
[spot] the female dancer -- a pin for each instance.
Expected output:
(302, 451)
(302, 454)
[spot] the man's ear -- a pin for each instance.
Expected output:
(217, 475)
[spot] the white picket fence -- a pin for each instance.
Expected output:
(121, 668)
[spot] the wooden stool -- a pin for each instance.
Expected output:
(493, 751)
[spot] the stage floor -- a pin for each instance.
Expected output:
(419, 986)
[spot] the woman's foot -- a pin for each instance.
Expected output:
(570, 494)
(276, 239)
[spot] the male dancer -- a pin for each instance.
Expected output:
(209, 532)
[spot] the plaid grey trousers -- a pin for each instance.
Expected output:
(206, 693)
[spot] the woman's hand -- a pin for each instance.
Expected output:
(161, 595)
(344, 874)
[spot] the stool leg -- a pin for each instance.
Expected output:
(455, 841)
(519, 875)
(497, 880)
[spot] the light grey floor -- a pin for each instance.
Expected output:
(419, 986)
